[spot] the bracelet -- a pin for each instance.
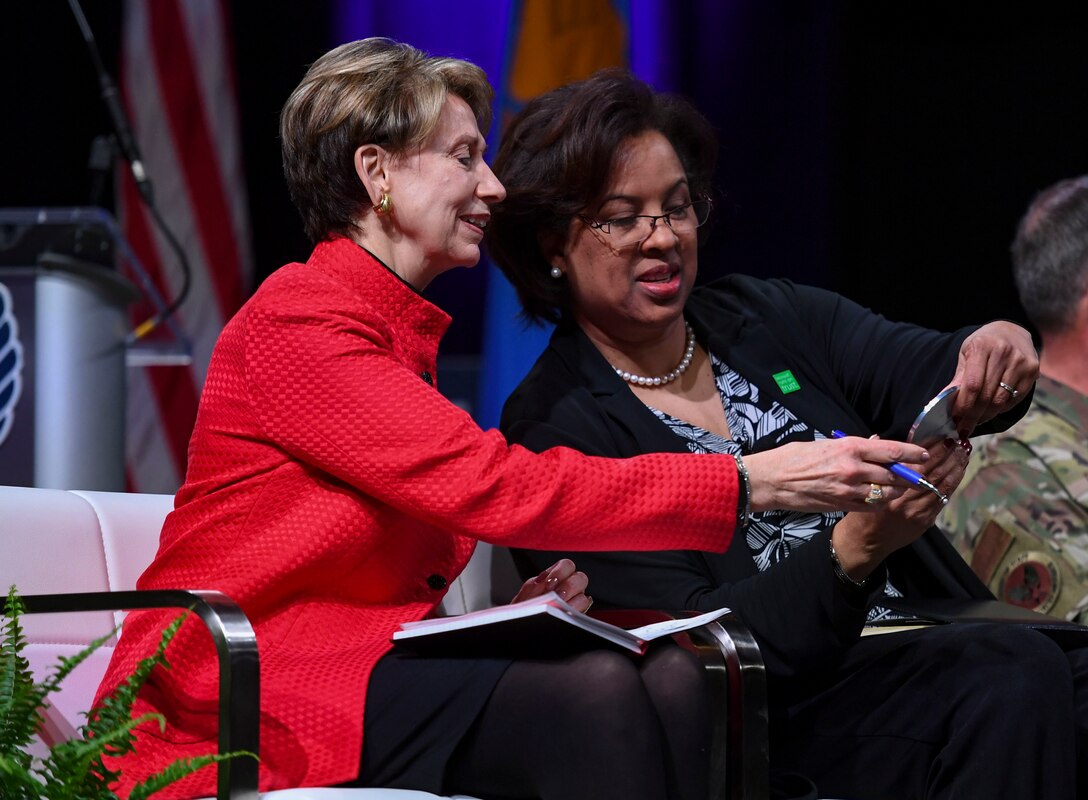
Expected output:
(744, 494)
(840, 573)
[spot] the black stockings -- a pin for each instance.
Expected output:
(598, 725)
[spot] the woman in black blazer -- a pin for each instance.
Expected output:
(608, 184)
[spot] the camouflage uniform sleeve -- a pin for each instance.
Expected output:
(1020, 516)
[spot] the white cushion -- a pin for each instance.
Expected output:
(56, 541)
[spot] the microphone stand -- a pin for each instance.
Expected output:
(126, 142)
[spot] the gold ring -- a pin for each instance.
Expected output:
(1014, 392)
(876, 494)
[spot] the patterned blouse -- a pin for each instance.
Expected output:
(758, 424)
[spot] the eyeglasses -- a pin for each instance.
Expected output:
(636, 229)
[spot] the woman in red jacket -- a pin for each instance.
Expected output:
(333, 493)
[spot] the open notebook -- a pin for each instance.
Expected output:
(544, 625)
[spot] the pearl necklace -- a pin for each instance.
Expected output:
(681, 368)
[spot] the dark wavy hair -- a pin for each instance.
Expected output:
(555, 161)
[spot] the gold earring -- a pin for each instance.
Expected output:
(385, 205)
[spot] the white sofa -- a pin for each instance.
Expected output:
(64, 549)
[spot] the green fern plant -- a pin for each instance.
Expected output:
(74, 770)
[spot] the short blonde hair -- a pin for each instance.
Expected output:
(372, 91)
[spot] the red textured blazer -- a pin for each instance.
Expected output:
(333, 493)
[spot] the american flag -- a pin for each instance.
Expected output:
(178, 84)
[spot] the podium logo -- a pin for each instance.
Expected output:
(11, 363)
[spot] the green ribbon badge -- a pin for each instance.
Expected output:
(786, 382)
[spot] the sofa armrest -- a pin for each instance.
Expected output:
(740, 750)
(239, 666)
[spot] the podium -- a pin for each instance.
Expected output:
(64, 344)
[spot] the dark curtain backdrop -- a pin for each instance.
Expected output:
(881, 150)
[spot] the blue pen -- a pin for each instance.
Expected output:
(906, 473)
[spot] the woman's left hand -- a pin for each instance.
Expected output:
(916, 510)
(564, 579)
(862, 541)
(997, 366)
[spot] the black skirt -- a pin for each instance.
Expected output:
(418, 709)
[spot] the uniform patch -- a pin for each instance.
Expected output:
(992, 544)
(1031, 580)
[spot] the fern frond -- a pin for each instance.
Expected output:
(31, 700)
(66, 664)
(78, 762)
(115, 710)
(17, 782)
(181, 768)
(19, 707)
(75, 770)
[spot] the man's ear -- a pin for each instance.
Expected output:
(372, 167)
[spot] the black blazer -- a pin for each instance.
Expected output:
(856, 371)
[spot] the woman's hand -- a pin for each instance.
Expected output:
(828, 474)
(997, 366)
(564, 579)
(862, 541)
